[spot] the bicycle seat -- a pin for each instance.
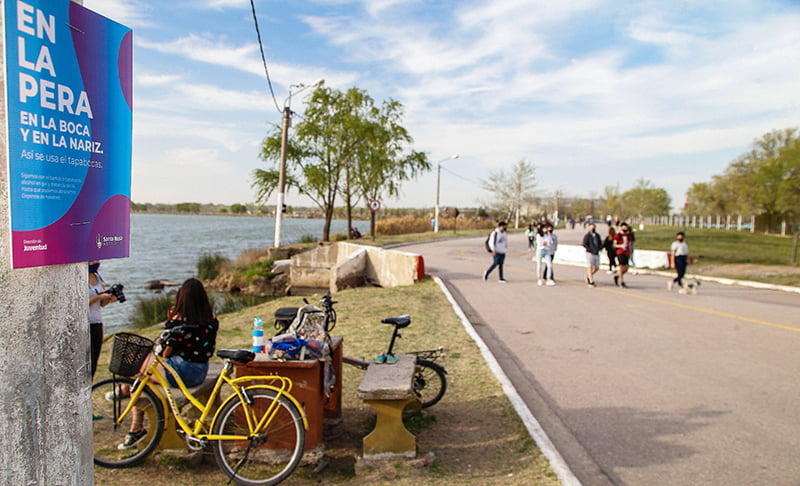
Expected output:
(400, 321)
(238, 355)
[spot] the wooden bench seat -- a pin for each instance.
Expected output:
(387, 388)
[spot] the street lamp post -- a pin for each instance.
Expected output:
(287, 123)
(438, 184)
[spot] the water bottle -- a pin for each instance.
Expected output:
(258, 335)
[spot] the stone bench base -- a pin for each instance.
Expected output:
(387, 388)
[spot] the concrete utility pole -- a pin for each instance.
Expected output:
(287, 120)
(45, 409)
(285, 126)
(438, 185)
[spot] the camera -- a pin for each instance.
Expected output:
(116, 291)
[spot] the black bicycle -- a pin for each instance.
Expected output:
(430, 381)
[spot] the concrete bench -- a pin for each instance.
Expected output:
(387, 388)
(171, 439)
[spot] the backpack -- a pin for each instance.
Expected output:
(486, 243)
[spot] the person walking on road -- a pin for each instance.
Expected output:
(592, 245)
(611, 252)
(622, 242)
(498, 243)
(530, 233)
(680, 258)
(545, 249)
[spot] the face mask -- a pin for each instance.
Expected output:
(93, 267)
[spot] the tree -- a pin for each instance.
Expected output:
(384, 159)
(514, 190)
(337, 130)
(187, 207)
(645, 199)
(238, 208)
(765, 178)
(612, 201)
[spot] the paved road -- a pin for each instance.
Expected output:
(639, 386)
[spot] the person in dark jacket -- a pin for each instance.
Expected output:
(592, 245)
(608, 244)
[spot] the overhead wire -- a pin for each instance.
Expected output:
(460, 176)
(263, 57)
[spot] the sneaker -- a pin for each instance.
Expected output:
(486, 275)
(669, 285)
(539, 282)
(609, 272)
(110, 396)
(550, 283)
(97, 416)
(131, 439)
(592, 284)
(502, 280)
(623, 285)
(616, 280)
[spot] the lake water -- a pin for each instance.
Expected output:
(167, 247)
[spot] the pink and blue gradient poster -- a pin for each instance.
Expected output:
(69, 95)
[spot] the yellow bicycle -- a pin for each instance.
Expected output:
(257, 433)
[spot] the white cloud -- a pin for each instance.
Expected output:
(501, 80)
(132, 13)
(151, 80)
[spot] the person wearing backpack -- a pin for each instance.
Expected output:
(497, 243)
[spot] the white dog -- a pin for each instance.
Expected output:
(690, 288)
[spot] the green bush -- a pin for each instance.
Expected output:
(152, 310)
(209, 266)
(308, 239)
(260, 268)
(227, 303)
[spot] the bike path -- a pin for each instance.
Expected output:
(640, 386)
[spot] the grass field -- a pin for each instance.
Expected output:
(738, 255)
(473, 433)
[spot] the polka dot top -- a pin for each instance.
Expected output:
(198, 341)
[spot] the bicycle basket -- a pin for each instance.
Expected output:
(128, 353)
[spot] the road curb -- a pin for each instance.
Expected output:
(557, 463)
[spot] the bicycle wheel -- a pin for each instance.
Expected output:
(273, 454)
(429, 382)
(107, 436)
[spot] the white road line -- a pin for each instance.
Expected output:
(538, 434)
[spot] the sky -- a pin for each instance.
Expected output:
(593, 93)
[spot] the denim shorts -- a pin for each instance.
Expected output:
(192, 374)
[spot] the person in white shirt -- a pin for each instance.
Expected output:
(498, 243)
(680, 258)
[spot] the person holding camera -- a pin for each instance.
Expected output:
(98, 298)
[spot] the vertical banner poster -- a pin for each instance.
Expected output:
(69, 96)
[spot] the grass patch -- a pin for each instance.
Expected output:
(261, 268)
(228, 303)
(418, 422)
(152, 310)
(714, 246)
(210, 265)
(473, 425)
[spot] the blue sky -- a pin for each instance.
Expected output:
(594, 93)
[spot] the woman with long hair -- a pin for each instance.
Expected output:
(195, 329)
(611, 252)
